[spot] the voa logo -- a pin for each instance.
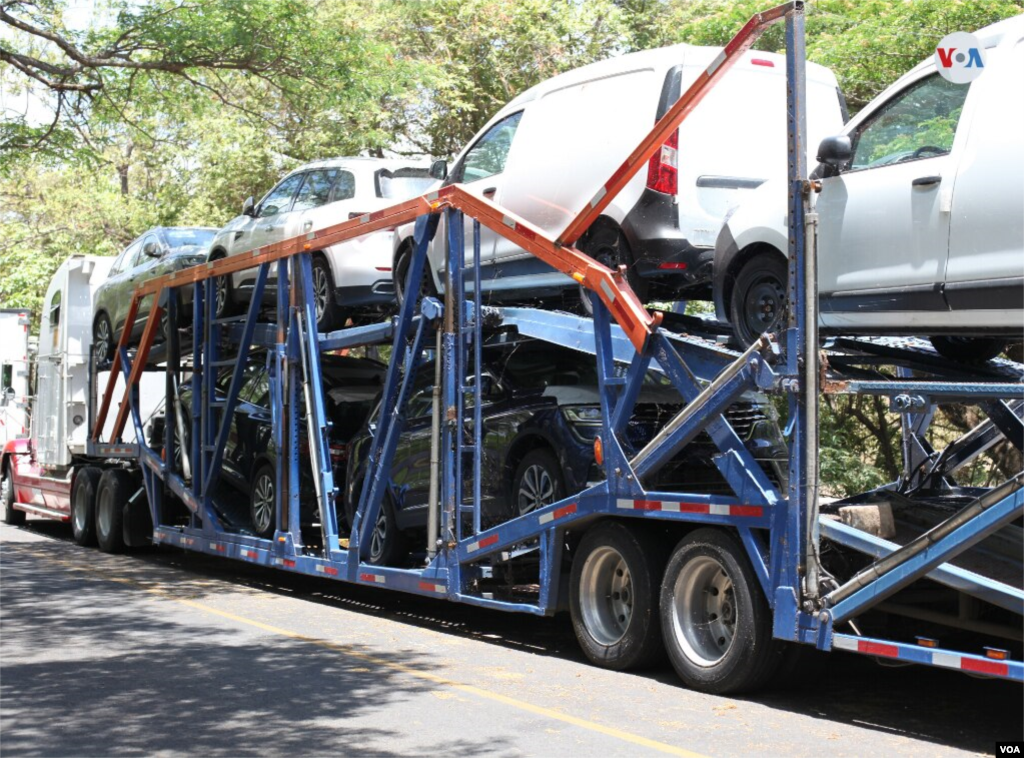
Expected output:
(960, 58)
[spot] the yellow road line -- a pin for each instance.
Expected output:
(346, 650)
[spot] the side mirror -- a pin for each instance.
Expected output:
(7, 397)
(439, 170)
(835, 153)
(248, 207)
(152, 249)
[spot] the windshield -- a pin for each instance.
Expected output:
(197, 238)
(403, 183)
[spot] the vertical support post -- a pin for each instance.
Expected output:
(171, 440)
(800, 569)
(277, 381)
(478, 424)
(200, 334)
(454, 375)
(291, 404)
(208, 422)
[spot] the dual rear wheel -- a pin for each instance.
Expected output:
(631, 603)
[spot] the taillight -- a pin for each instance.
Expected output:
(663, 170)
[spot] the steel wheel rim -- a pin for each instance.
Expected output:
(606, 595)
(764, 305)
(103, 338)
(380, 534)
(704, 612)
(79, 513)
(536, 489)
(105, 518)
(263, 503)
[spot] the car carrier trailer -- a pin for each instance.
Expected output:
(735, 588)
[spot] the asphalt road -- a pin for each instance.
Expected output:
(164, 652)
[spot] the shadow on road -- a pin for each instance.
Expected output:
(916, 702)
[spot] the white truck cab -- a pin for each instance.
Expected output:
(921, 215)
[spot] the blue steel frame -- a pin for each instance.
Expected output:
(773, 525)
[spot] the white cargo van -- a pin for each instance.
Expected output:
(544, 155)
(921, 211)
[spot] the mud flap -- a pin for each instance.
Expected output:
(138, 524)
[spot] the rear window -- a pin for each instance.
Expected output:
(403, 183)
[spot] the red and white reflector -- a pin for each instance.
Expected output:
(481, 544)
(329, 570)
(674, 506)
(565, 510)
(246, 553)
(375, 578)
(218, 547)
(432, 587)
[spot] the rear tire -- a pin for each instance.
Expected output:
(608, 245)
(83, 505)
(400, 273)
(714, 617)
(328, 314)
(537, 483)
(112, 493)
(613, 598)
(969, 349)
(103, 337)
(223, 293)
(11, 516)
(263, 502)
(759, 296)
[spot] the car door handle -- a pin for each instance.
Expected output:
(307, 226)
(490, 191)
(926, 181)
(268, 228)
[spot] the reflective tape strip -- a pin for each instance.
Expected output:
(432, 587)
(565, 510)
(188, 541)
(486, 542)
(608, 291)
(218, 547)
(674, 506)
(376, 578)
(329, 570)
(257, 252)
(939, 658)
(718, 61)
(598, 197)
(286, 562)
(248, 553)
(510, 223)
(364, 219)
(311, 235)
(432, 196)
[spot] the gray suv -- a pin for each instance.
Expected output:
(157, 252)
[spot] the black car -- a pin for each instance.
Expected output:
(351, 386)
(541, 413)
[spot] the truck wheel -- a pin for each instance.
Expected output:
(83, 505)
(263, 502)
(613, 597)
(328, 314)
(758, 297)
(716, 622)
(115, 487)
(11, 515)
(968, 349)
